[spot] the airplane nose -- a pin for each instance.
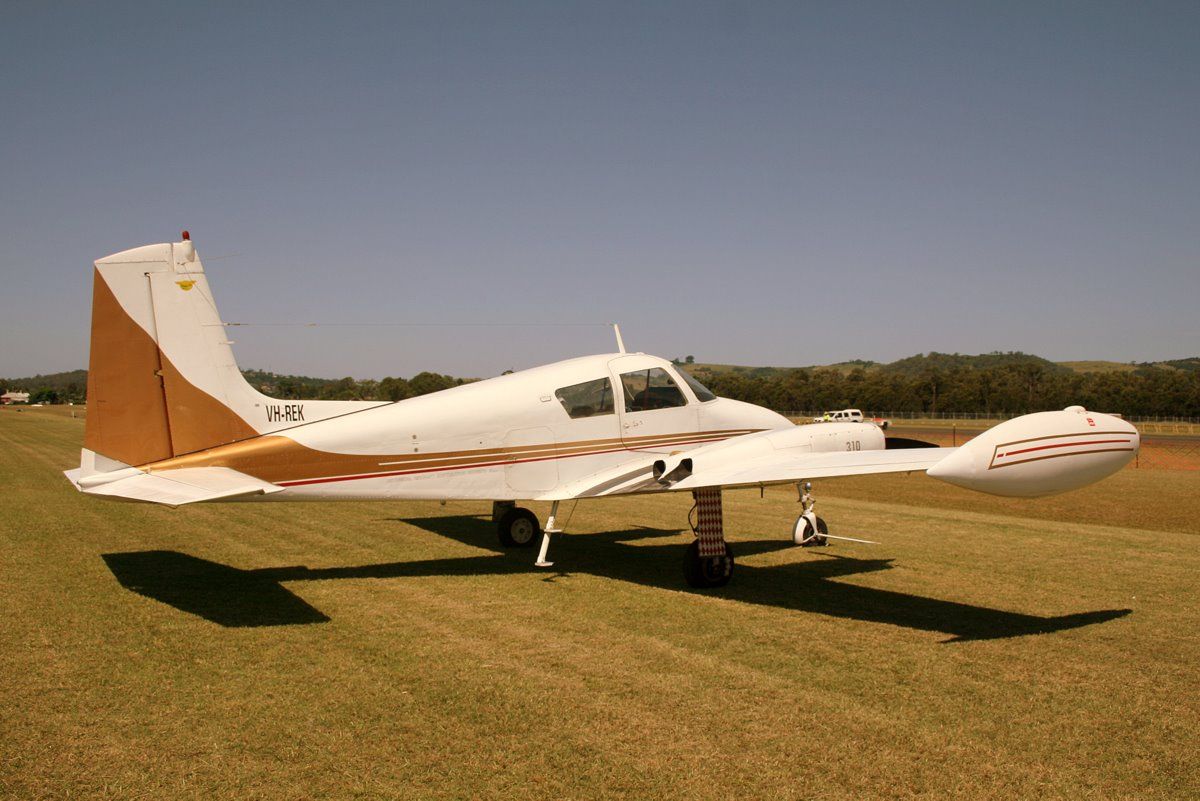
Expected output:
(733, 414)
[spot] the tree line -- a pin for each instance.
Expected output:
(997, 384)
(387, 389)
(1007, 390)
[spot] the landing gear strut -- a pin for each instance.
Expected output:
(708, 561)
(808, 530)
(517, 527)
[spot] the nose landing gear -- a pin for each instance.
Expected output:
(809, 530)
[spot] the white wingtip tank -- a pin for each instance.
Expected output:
(1045, 453)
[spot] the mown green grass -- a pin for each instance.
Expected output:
(986, 649)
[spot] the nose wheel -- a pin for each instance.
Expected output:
(809, 530)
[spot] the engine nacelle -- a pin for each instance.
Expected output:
(1042, 454)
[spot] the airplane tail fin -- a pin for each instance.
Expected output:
(162, 379)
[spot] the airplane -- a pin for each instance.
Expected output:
(171, 420)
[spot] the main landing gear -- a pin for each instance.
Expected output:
(708, 561)
(517, 527)
(809, 530)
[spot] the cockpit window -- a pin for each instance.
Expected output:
(650, 389)
(703, 393)
(587, 399)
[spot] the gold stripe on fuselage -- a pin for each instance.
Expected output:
(282, 460)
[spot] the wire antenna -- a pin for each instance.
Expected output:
(407, 325)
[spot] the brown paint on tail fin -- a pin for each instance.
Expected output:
(140, 407)
(127, 409)
(198, 420)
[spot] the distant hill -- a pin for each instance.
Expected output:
(945, 362)
(1190, 365)
(924, 362)
(1099, 367)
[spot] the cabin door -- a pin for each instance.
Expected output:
(654, 413)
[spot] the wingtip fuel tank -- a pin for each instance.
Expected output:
(1045, 453)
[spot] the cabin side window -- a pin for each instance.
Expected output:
(650, 389)
(587, 399)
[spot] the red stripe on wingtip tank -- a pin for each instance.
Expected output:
(1066, 445)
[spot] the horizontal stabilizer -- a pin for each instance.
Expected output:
(176, 487)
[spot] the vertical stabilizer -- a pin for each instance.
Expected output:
(162, 379)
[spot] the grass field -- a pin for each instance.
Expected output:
(986, 649)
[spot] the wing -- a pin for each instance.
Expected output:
(769, 457)
(173, 487)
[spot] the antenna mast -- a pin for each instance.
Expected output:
(620, 342)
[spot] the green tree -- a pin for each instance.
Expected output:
(44, 395)
(395, 389)
(425, 382)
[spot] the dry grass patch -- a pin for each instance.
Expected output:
(985, 649)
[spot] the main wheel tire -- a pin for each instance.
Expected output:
(518, 528)
(706, 572)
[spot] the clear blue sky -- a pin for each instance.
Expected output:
(755, 183)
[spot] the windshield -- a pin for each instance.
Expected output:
(703, 393)
(650, 389)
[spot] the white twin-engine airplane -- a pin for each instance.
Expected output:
(171, 420)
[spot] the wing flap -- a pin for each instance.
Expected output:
(177, 487)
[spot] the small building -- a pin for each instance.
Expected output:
(9, 398)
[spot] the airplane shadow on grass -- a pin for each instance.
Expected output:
(235, 597)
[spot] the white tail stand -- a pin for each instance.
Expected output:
(551, 522)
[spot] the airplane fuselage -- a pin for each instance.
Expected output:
(507, 438)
